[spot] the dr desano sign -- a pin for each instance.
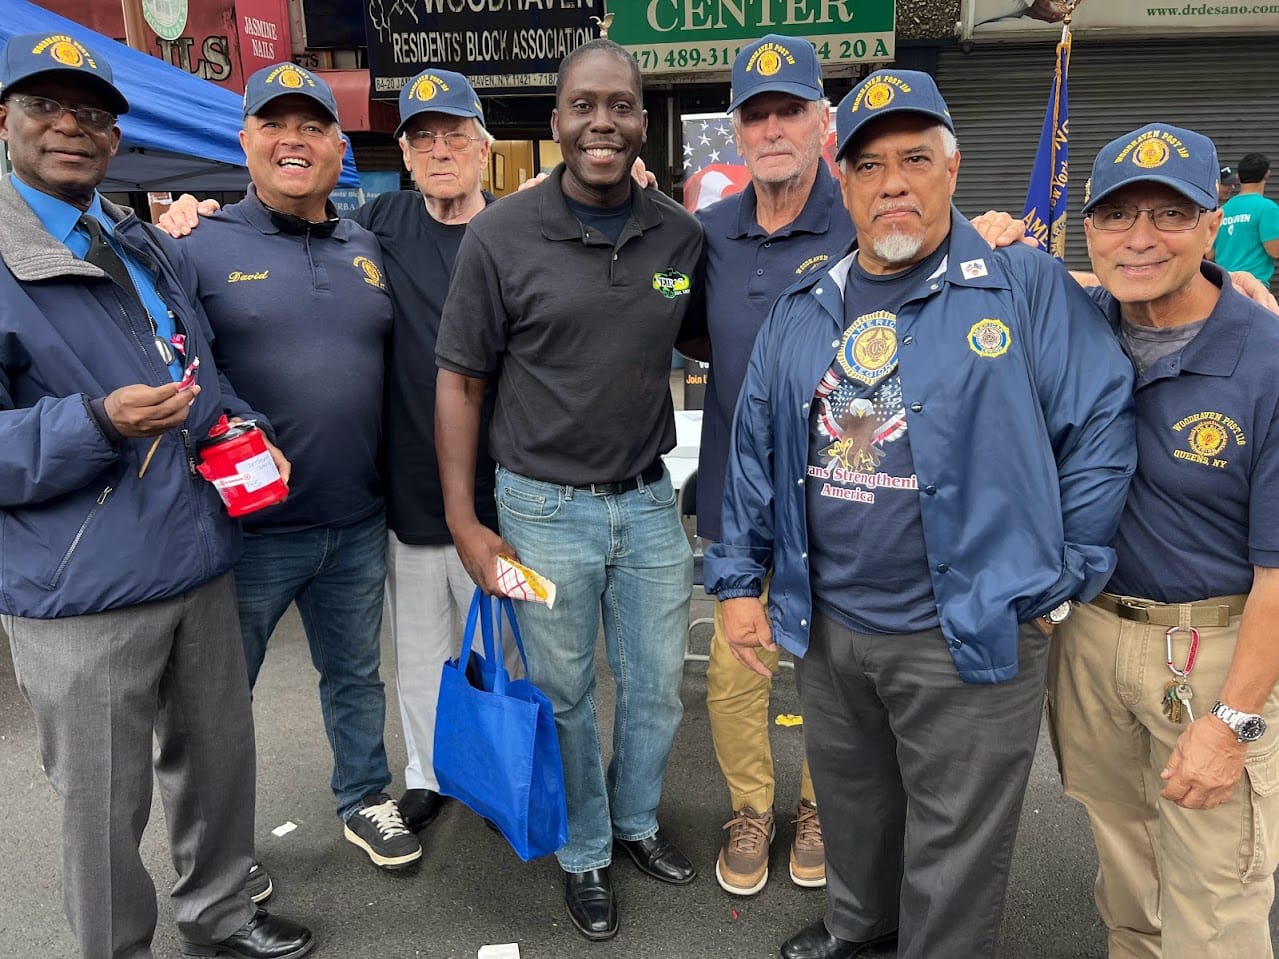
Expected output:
(681, 36)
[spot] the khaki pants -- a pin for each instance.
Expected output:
(1173, 883)
(737, 700)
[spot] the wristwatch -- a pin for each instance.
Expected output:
(1247, 727)
(1058, 614)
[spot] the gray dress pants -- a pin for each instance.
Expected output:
(920, 779)
(160, 685)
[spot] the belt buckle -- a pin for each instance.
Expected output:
(604, 489)
(1137, 612)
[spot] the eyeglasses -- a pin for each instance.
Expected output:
(1166, 219)
(90, 119)
(423, 141)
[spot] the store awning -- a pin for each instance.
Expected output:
(356, 111)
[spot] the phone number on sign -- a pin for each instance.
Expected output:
(715, 56)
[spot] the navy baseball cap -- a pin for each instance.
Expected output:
(885, 92)
(1157, 153)
(37, 54)
(282, 79)
(776, 64)
(438, 91)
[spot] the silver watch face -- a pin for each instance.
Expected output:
(1058, 614)
(1251, 729)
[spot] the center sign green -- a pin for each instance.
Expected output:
(686, 36)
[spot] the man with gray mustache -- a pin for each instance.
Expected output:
(931, 452)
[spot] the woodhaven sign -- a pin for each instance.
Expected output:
(502, 46)
(684, 36)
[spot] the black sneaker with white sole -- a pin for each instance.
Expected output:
(377, 828)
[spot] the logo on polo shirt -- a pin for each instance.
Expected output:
(989, 338)
(1207, 435)
(671, 283)
(811, 263)
(372, 275)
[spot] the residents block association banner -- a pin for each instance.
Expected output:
(503, 46)
(1045, 211)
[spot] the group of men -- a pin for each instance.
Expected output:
(933, 457)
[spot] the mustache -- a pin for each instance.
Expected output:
(896, 208)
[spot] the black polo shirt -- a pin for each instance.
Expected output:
(577, 330)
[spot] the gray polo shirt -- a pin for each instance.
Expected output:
(577, 331)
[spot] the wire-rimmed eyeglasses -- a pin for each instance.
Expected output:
(423, 141)
(92, 119)
(1173, 218)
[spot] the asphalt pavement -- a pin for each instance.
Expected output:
(470, 889)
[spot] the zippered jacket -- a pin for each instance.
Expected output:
(1018, 403)
(80, 532)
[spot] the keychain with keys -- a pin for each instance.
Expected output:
(1177, 693)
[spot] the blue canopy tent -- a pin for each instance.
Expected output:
(181, 132)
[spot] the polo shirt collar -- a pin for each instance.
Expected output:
(823, 198)
(559, 223)
(268, 221)
(1217, 348)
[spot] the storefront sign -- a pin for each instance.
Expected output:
(1021, 19)
(263, 30)
(685, 36)
(503, 46)
(166, 17)
(219, 40)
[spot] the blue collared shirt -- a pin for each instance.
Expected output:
(60, 219)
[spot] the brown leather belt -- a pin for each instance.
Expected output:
(1214, 611)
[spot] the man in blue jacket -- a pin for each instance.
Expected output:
(115, 556)
(931, 452)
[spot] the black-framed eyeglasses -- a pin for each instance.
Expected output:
(423, 141)
(1174, 218)
(92, 119)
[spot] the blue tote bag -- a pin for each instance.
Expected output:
(496, 749)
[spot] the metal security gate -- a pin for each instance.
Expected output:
(1221, 87)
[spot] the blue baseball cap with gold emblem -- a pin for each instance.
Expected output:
(438, 91)
(1157, 153)
(38, 54)
(885, 92)
(776, 64)
(284, 79)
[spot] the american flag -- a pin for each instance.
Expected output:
(713, 169)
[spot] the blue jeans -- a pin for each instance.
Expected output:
(624, 556)
(337, 577)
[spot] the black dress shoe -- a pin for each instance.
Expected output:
(660, 859)
(419, 807)
(591, 906)
(262, 937)
(816, 942)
